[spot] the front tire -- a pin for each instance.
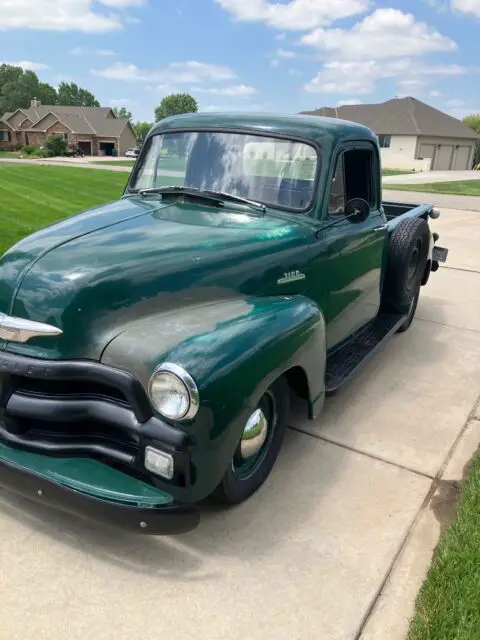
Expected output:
(258, 447)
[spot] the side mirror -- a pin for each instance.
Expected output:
(357, 210)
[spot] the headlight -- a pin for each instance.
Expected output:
(173, 392)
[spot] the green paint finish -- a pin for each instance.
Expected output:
(235, 296)
(89, 477)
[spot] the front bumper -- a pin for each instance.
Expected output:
(83, 408)
(65, 422)
(138, 510)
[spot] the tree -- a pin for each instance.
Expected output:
(142, 129)
(71, 95)
(46, 94)
(473, 121)
(175, 104)
(18, 88)
(56, 145)
(122, 112)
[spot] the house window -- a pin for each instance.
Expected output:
(384, 141)
(4, 136)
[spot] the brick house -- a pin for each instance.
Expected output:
(95, 130)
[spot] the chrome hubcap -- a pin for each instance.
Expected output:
(254, 434)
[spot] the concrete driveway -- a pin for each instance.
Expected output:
(323, 551)
(432, 176)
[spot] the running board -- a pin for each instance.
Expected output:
(343, 363)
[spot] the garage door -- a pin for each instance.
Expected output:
(427, 151)
(443, 157)
(86, 147)
(462, 157)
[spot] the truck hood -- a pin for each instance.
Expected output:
(95, 274)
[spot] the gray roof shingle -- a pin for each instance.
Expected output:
(82, 120)
(400, 116)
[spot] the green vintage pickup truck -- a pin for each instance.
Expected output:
(150, 347)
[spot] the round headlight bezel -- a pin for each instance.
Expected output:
(178, 372)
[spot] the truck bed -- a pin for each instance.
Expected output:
(398, 211)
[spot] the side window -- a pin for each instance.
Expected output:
(353, 179)
(336, 201)
(359, 183)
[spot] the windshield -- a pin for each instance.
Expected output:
(274, 171)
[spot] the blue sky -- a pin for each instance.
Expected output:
(260, 55)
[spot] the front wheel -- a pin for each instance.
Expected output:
(258, 447)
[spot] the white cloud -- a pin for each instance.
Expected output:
(388, 33)
(27, 65)
(410, 86)
(88, 16)
(467, 6)
(455, 103)
(285, 53)
(187, 72)
(120, 4)
(60, 15)
(239, 91)
(120, 102)
(350, 102)
(280, 36)
(235, 107)
(296, 14)
(360, 77)
(274, 63)
(435, 94)
(461, 112)
(438, 5)
(85, 51)
(294, 72)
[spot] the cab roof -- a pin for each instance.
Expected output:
(314, 128)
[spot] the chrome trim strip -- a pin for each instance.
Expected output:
(21, 330)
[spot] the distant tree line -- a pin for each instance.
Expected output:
(18, 87)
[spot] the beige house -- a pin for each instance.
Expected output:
(412, 135)
(95, 130)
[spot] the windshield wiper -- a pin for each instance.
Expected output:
(218, 196)
(229, 196)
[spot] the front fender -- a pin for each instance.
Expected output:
(233, 349)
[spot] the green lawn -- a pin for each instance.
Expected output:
(118, 163)
(460, 188)
(448, 605)
(32, 197)
(9, 154)
(395, 172)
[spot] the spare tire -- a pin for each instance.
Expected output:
(406, 262)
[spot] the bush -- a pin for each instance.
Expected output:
(29, 149)
(40, 153)
(56, 146)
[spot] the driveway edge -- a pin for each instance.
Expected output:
(393, 606)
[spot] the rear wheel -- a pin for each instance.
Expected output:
(258, 447)
(406, 264)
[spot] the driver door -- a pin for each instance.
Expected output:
(353, 252)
